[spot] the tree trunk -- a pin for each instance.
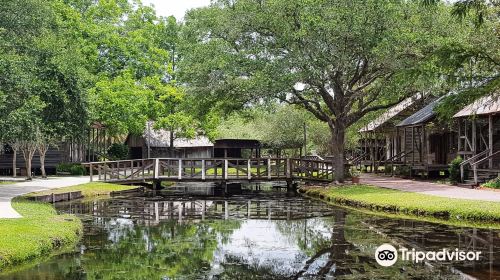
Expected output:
(42, 151)
(14, 163)
(28, 166)
(42, 165)
(338, 148)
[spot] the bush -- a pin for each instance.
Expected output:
(71, 168)
(118, 151)
(495, 183)
(454, 170)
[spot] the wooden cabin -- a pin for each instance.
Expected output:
(380, 140)
(427, 145)
(479, 138)
(158, 143)
(237, 148)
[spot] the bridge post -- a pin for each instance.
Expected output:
(91, 173)
(226, 164)
(288, 169)
(156, 174)
(203, 171)
(249, 169)
(269, 169)
(179, 176)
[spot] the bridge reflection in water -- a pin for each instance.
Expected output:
(255, 233)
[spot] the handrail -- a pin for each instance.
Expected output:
(474, 162)
(468, 161)
(400, 155)
(485, 159)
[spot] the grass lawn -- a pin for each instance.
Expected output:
(41, 231)
(413, 204)
(88, 190)
(38, 233)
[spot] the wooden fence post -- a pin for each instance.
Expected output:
(156, 174)
(249, 169)
(269, 169)
(288, 169)
(91, 173)
(179, 174)
(226, 164)
(203, 171)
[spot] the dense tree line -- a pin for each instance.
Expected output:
(67, 64)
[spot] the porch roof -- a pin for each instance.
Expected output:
(423, 115)
(486, 105)
(391, 113)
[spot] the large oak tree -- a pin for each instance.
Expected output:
(338, 59)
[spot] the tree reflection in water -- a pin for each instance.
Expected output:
(265, 236)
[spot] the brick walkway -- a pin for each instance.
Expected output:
(429, 188)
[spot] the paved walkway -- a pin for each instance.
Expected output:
(8, 192)
(429, 188)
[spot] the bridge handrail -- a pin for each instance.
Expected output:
(190, 168)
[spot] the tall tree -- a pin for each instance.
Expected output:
(339, 60)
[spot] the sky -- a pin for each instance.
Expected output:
(176, 8)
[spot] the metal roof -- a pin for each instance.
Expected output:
(391, 113)
(423, 115)
(483, 106)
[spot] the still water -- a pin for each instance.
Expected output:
(254, 232)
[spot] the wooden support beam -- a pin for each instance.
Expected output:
(474, 145)
(203, 170)
(179, 173)
(156, 173)
(490, 140)
(269, 169)
(249, 169)
(226, 165)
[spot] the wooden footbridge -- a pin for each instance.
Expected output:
(211, 170)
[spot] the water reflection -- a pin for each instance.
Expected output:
(258, 233)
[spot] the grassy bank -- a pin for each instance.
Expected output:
(41, 231)
(412, 204)
(38, 233)
(88, 190)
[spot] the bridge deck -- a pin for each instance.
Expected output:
(210, 169)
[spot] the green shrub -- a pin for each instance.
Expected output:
(78, 170)
(118, 151)
(495, 183)
(71, 168)
(454, 170)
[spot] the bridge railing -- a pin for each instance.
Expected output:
(202, 169)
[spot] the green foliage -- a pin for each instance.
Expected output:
(454, 170)
(118, 151)
(409, 203)
(495, 183)
(71, 168)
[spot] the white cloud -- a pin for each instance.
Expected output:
(176, 8)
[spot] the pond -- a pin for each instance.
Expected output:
(254, 232)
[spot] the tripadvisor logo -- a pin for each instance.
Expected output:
(387, 255)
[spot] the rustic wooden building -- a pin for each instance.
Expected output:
(92, 145)
(479, 138)
(380, 141)
(428, 146)
(158, 143)
(237, 148)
